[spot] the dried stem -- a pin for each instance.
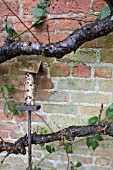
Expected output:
(20, 20)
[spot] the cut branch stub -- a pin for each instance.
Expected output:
(31, 66)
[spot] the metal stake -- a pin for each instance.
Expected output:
(31, 66)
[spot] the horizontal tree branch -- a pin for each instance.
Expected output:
(69, 133)
(13, 48)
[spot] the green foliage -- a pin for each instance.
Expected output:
(40, 12)
(11, 33)
(109, 112)
(42, 132)
(50, 149)
(93, 120)
(93, 141)
(73, 166)
(68, 147)
(9, 104)
(104, 13)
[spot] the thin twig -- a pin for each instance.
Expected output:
(48, 34)
(44, 122)
(79, 20)
(100, 114)
(67, 159)
(47, 156)
(28, 29)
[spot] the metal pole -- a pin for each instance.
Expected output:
(29, 142)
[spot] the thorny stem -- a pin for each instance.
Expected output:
(28, 29)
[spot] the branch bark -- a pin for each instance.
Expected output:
(69, 133)
(13, 48)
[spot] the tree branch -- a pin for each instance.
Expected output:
(69, 133)
(13, 48)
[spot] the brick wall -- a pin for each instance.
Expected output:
(70, 90)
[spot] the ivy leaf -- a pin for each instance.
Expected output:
(9, 86)
(95, 144)
(5, 93)
(78, 165)
(69, 148)
(104, 13)
(7, 25)
(41, 4)
(93, 120)
(109, 112)
(89, 141)
(50, 149)
(6, 109)
(38, 12)
(99, 138)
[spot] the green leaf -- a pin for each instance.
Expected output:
(16, 111)
(41, 4)
(42, 145)
(93, 120)
(5, 109)
(69, 148)
(10, 106)
(43, 132)
(39, 12)
(36, 20)
(109, 112)
(104, 13)
(50, 149)
(9, 86)
(12, 33)
(89, 141)
(99, 138)
(1, 88)
(95, 145)
(7, 25)
(5, 93)
(72, 166)
(78, 164)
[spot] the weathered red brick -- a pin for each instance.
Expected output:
(44, 83)
(52, 96)
(5, 12)
(67, 24)
(103, 72)
(60, 7)
(3, 116)
(59, 70)
(98, 5)
(81, 71)
(21, 81)
(28, 5)
(3, 69)
(4, 133)
(15, 69)
(106, 56)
